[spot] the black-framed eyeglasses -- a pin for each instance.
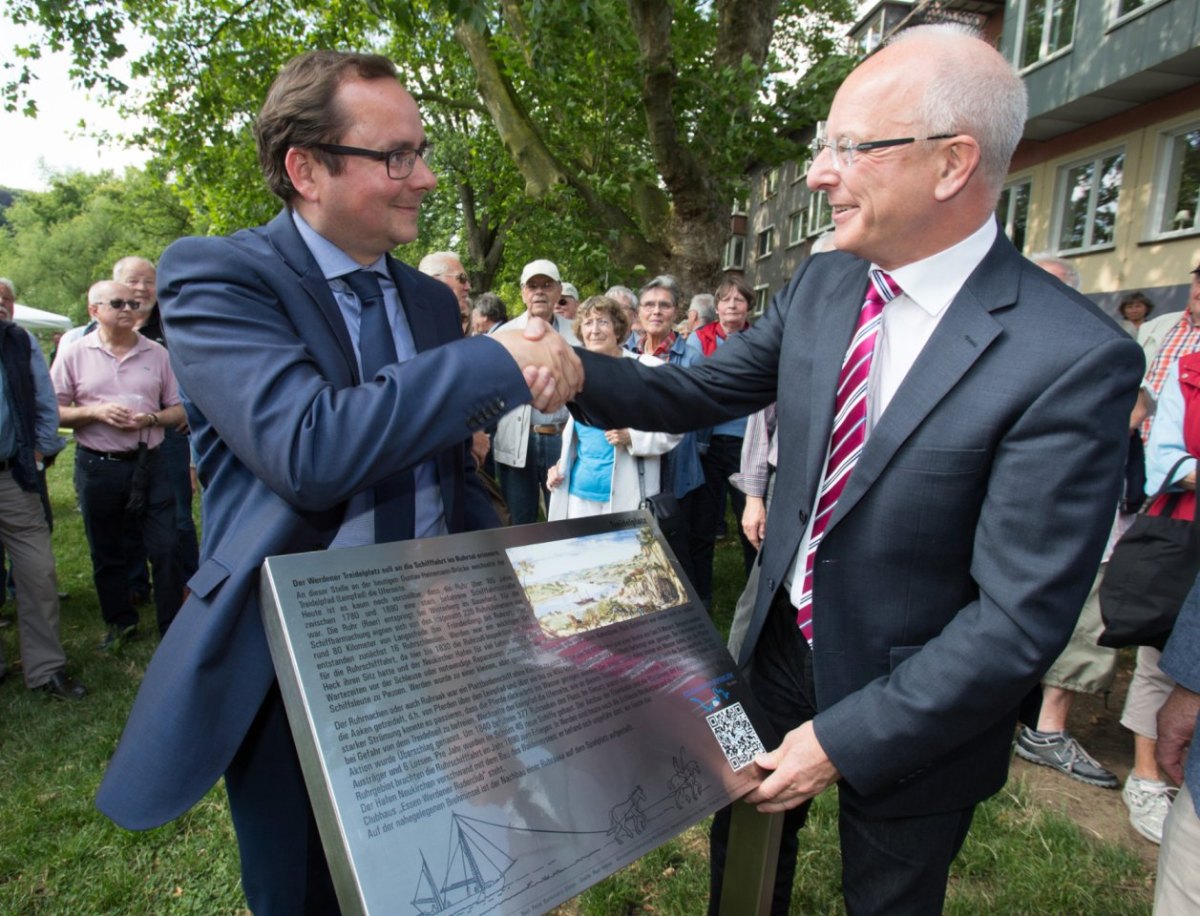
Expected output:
(843, 149)
(118, 304)
(400, 162)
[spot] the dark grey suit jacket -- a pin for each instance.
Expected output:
(286, 433)
(962, 549)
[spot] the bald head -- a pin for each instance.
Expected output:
(921, 149)
(990, 105)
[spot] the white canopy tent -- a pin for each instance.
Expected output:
(38, 320)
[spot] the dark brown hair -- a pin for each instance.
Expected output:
(300, 110)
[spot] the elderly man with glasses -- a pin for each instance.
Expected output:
(447, 267)
(115, 388)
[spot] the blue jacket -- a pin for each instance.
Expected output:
(285, 433)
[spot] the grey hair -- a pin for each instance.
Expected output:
(1067, 271)
(4, 281)
(705, 307)
(662, 281)
(973, 91)
(491, 307)
(823, 242)
(623, 294)
(435, 263)
(128, 261)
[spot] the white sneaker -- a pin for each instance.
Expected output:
(1148, 801)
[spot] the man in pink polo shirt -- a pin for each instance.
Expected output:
(115, 388)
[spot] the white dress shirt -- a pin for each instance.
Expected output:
(927, 289)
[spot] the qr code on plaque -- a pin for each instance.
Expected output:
(736, 735)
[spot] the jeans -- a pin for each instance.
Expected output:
(103, 485)
(523, 486)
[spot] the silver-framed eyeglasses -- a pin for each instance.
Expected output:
(400, 162)
(843, 149)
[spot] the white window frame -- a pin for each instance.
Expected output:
(797, 226)
(1060, 202)
(1165, 178)
(818, 204)
(767, 233)
(770, 182)
(1007, 228)
(873, 33)
(734, 257)
(1044, 53)
(1119, 18)
(741, 205)
(762, 298)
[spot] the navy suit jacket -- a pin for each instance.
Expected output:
(961, 551)
(286, 432)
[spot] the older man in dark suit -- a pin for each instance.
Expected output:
(331, 397)
(951, 424)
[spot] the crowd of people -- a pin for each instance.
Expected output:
(931, 467)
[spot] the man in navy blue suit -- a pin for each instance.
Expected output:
(316, 426)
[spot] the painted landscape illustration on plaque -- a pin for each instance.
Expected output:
(582, 583)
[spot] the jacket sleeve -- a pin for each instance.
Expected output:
(254, 350)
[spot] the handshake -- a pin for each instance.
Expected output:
(551, 368)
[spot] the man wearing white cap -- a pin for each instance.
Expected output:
(568, 302)
(528, 441)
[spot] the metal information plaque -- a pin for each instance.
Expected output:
(493, 722)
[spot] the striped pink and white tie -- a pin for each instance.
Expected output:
(849, 429)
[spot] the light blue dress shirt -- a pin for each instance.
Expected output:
(358, 527)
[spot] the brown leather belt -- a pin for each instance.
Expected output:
(550, 430)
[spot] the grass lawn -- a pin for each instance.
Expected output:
(58, 855)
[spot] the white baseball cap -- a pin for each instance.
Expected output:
(568, 289)
(540, 268)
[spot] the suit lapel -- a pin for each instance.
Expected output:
(286, 240)
(961, 338)
(416, 308)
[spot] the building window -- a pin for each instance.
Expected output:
(1122, 8)
(1087, 202)
(1177, 189)
(1047, 27)
(762, 298)
(872, 32)
(770, 182)
(735, 253)
(741, 204)
(1013, 212)
(820, 214)
(765, 242)
(796, 223)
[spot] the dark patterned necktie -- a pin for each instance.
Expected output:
(376, 349)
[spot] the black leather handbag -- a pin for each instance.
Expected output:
(1150, 572)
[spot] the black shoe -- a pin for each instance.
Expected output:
(115, 636)
(62, 686)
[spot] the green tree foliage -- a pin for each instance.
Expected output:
(58, 242)
(608, 134)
